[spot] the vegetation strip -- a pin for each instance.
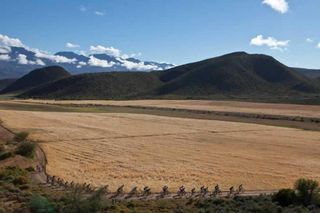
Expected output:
(301, 122)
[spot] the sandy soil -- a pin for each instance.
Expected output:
(137, 149)
(221, 106)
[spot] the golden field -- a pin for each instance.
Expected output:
(312, 111)
(140, 149)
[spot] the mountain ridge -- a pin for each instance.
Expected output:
(237, 74)
(36, 78)
(22, 59)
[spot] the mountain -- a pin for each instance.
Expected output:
(17, 61)
(312, 73)
(36, 78)
(12, 68)
(112, 85)
(6, 82)
(237, 74)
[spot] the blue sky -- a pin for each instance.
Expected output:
(177, 31)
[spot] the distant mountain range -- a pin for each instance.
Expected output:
(237, 75)
(312, 73)
(17, 61)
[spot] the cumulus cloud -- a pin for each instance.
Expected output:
(99, 63)
(270, 42)
(309, 40)
(40, 62)
(107, 50)
(99, 13)
(4, 57)
(5, 50)
(81, 64)
(54, 58)
(71, 45)
(22, 59)
(280, 6)
(7, 41)
(140, 66)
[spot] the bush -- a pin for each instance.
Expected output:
(12, 172)
(40, 204)
(5, 155)
(285, 197)
(21, 136)
(77, 202)
(307, 191)
(26, 149)
(20, 180)
(30, 169)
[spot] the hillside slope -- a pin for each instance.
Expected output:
(6, 82)
(36, 78)
(98, 86)
(237, 74)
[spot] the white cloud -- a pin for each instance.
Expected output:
(108, 50)
(71, 45)
(22, 59)
(55, 58)
(99, 13)
(82, 52)
(40, 62)
(309, 40)
(5, 50)
(4, 57)
(318, 46)
(82, 63)
(280, 6)
(141, 66)
(7, 41)
(270, 42)
(99, 63)
(133, 55)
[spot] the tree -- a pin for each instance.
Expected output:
(307, 191)
(285, 197)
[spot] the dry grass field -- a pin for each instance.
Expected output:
(220, 106)
(138, 149)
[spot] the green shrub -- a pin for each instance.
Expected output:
(307, 191)
(30, 169)
(40, 204)
(285, 197)
(12, 172)
(26, 149)
(21, 136)
(5, 155)
(20, 180)
(77, 202)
